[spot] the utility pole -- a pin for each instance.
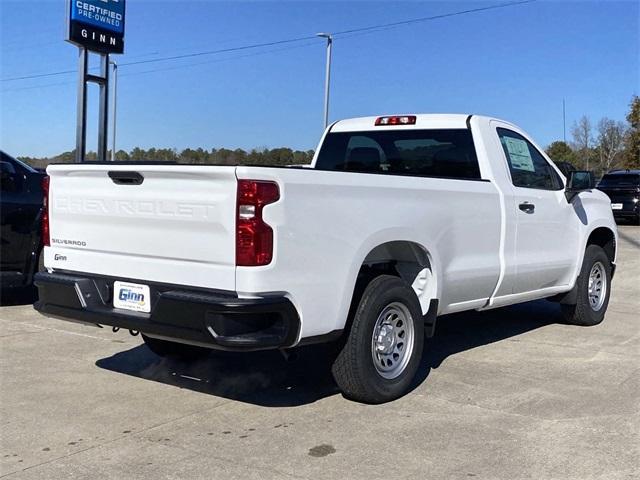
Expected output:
(327, 78)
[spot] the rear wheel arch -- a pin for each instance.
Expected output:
(405, 259)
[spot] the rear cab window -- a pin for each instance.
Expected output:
(440, 153)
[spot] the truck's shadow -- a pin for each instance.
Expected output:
(265, 378)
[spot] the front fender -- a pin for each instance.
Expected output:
(593, 209)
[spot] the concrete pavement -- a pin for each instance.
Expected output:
(503, 394)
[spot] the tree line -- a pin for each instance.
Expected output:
(603, 146)
(199, 156)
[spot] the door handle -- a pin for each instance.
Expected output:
(527, 207)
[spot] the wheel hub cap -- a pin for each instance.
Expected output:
(386, 339)
(597, 288)
(392, 340)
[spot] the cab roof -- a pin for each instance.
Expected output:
(423, 121)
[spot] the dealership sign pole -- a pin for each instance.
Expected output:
(94, 26)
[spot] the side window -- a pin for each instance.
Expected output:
(529, 169)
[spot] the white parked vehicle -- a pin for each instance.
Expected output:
(399, 220)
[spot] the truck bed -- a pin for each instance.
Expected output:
(177, 227)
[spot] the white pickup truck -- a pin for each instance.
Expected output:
(399, 219)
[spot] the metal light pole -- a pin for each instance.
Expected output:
(327, 77)
(115, 103)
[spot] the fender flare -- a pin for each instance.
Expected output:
(378, 239)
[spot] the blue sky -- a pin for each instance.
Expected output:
(516, 63)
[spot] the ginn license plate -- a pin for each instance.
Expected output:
(131, 296)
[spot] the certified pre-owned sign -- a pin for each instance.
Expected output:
(97, 25)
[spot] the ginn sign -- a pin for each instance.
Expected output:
(98, 37)
(96, 25)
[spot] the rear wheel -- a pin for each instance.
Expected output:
(382, 352)
(593, 289)
(175, 350)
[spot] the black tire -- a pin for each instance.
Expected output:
(174, 350)
(354, 369)
(583, 312)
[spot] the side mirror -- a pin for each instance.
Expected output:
(579, 181)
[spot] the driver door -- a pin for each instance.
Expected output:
(547, 230)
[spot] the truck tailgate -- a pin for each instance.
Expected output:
(176, 227)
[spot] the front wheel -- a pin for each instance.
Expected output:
(593, 289)
(382, 352)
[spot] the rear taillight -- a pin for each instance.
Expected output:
(254, 238)
(46, 240)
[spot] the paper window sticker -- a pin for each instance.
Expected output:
(519, 154)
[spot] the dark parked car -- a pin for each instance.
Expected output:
(21, 197)
(623, 188)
